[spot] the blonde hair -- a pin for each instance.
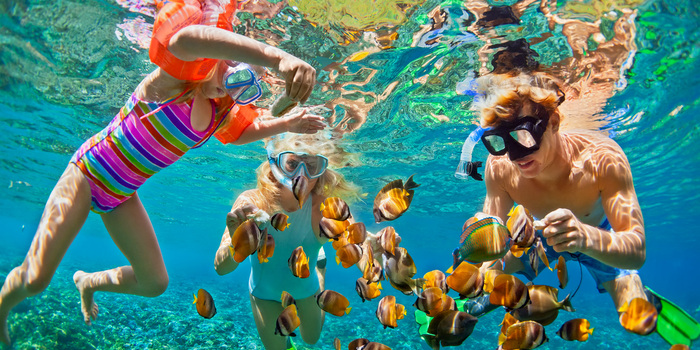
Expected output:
(330, 184)
(502, 95)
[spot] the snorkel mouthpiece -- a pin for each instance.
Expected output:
(466, 168)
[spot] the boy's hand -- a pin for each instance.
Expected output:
(563, 231)
(303, 123)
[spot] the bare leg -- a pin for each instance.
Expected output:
(64, 214)
(312, 318)
(131, 230)
(624, 289)
(265, 313)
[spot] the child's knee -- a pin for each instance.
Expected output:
(156, 286)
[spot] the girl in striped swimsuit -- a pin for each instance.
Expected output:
(150, 132)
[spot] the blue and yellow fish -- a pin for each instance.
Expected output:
(482, 240)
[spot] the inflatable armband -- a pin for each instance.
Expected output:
(174, 15)
(244, 117)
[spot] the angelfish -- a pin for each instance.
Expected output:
(393, 200)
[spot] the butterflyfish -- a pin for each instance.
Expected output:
(336, 344)
(356, 233)
(524, 335)
(522, 231)
(466, 280)
(388, 311)
(374, 346)
(287, 299)
(245, 240)
(393, 200)
(482, 240)
(638, 316)
(436, 278)
(509, 291)
(358, 343)
(431, 301)
(205, 304)
(288, 321)
(335, 208)
(333, 302)
(489, 278)
(388, 239)
(266, 247)
(348, 255)
(370, 267)
(562, 272)
(576, 329)
(332, 229)
(450, 328)
(508, 320)
(300, 186)
(279, 221)
(544, 305)
(299, 263)
(367, 291)
(400, 269)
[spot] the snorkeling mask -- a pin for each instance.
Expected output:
(287, 165)
(518, 138)
(241, 83)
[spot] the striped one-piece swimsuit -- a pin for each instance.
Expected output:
(121, 157)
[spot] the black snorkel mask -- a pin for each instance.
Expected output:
(519, 138)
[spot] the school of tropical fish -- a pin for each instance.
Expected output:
(378, 257)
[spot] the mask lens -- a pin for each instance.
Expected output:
(314, 165)
(495, 142)
(524, 137)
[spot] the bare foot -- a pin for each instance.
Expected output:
(87, 303)
(4, 333)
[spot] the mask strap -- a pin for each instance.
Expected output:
(466, 167)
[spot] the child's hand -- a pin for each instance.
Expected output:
(299, 76)
(305, 123)
(236, 217)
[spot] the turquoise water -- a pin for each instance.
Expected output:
(67, 66)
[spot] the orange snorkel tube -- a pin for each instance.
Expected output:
(174, 15)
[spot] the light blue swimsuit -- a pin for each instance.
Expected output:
(269, 279)
(601, 272)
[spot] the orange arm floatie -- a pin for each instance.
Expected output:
(233, 130)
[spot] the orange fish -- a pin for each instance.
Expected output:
(299, 263)
(524, 335)
(356, 233)
(679, 347)
(393, 200)
(266, 247)
(279, 221)
(341, 241)
(287, 299)
(388, 239)
(205, 304)
(436, 278)
(450, 328)
(245, 240)
(358, 343)
(348, 255)
(367, 291)
(482, 240)
(562, 272)
(389, 311)
(466, 280)
(432, 301)
(336, 344)
(400, 269)
(332, 229)
(371, 270)
(287, 321)
(374, 346)
(508, 320)
(333, 303)
(489, 277)
(638, 316)
(576, 329)
(300, 186)
(544, 305)
(335, 208)
(509, 291)
(522, 230)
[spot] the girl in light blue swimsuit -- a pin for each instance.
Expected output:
(287, 157)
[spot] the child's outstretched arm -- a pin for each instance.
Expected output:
(300, 123)
(200, 41)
